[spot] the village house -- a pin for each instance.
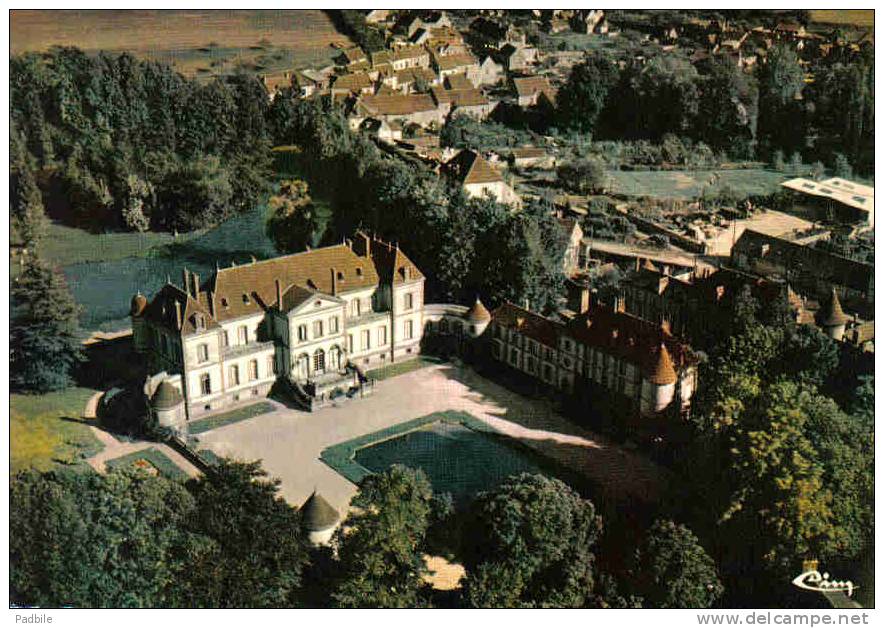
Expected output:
(466, 101)
(356, 83)
(310, 320)
(461, 63)
(413, 79)
(490, 72)
(479, 178)
(518, 57)
(587, 20)
(410, 57)
(421, 109)
(531, 90)
(600, 351)
(530, 157)
(351, 57)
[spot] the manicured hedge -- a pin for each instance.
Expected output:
(234, 416)
(155, 457)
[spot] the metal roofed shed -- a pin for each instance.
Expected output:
(859, 199)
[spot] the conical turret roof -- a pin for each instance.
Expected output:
(318, 514)
(662, 372)
(166, 396)
(139, 302)
(833, 315)
(478, 313)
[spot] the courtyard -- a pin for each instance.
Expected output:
(290, 442)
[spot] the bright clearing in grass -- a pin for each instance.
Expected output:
(45, 430)
(234, 416)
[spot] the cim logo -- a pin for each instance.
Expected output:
(813, 580)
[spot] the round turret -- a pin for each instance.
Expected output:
(478, 317)
(168, 405)
(319, 519)
(658, 387)
(832, 318)
(139, 302)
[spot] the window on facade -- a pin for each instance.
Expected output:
(534, 348)
(382, 336)
(495, 350)
(206, 384)
(253, 370)
(333, 325)
(355, 307)
(366, 340)
(317, 329)
(350, 343)
(271, 365)
(319, 361)
(302, 333)
(202, 353)
(514, 356)
(199, 322)
(409, 330)
(225, 339)
(409, 301)
(243, 334)
(233, 375)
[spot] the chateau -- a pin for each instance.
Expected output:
(311, 320)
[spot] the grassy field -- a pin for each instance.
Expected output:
(64, 245)
(850, 17)
(41, 436)
(689, 184)
(195, 42)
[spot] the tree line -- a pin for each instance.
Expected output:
(744, 115)
(227, 540)
(112, 142)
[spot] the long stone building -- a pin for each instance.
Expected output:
(313, 320)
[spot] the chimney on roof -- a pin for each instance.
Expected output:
(196, 285)
(334, 282)
(278, 294)
(177, 315)
(212, 304)
(361, 244)
(185, 277)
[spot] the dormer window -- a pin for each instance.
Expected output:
(359, 271)
(246, 299)
(224, 303)
(340, 276)
(199, 322)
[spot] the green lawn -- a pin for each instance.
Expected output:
(683, 184)
(234, 416)
(45, 430)
(155, 457)
(400, 368)
(64, 246)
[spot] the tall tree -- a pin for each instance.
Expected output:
(44, 330)
(672, 570)
(530, 544)
(580, 103)
(380, 543)
(257, 550)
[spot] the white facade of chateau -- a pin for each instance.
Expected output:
(307, 318)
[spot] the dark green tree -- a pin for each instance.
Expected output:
(672, 570)
(257, 550)
(583, 98)
(380, 544)
(530, 544)
(93, 541)
(44, 330)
